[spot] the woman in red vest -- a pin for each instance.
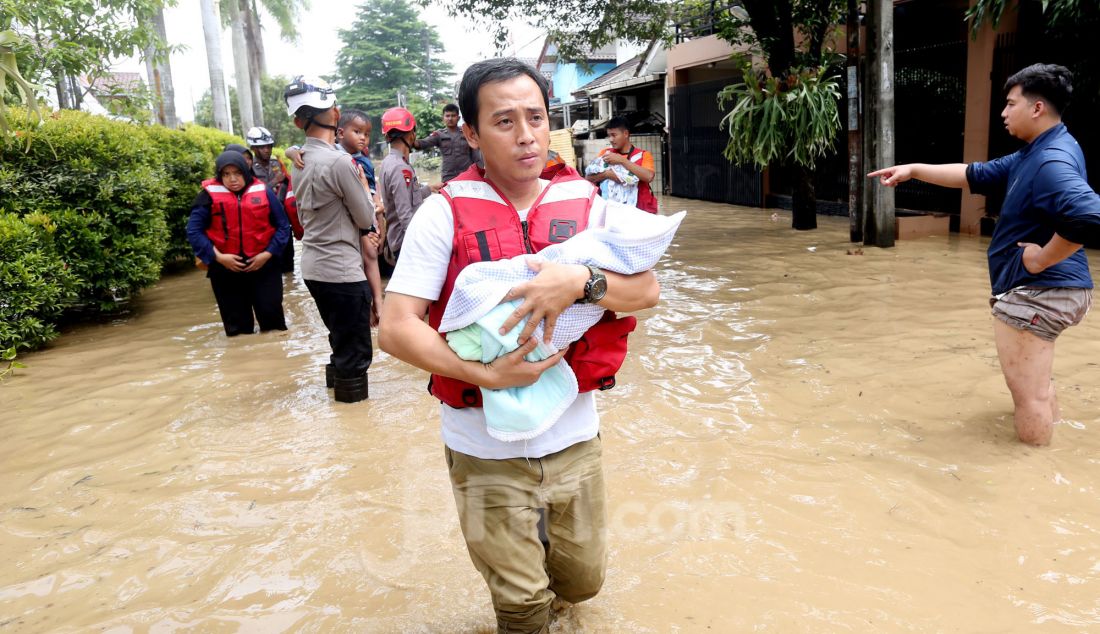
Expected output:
(237, 225)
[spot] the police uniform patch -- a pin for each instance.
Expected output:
(408, 177)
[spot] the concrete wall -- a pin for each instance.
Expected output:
(688, 62)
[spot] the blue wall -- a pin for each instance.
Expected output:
(569, 77)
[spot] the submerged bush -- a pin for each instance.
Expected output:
(102, 203)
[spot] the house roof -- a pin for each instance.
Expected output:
(640, 69)
(118, 83)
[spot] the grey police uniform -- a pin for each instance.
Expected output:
(402, 195)
(457, 153)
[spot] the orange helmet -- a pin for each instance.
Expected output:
(397, 119)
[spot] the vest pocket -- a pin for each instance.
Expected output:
(600, 352)
(482, 246)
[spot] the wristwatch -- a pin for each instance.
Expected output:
(595, 288)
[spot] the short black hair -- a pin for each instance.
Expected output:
(1051, 83)
(494, 70)
(347, 117)
(306, 114)
(618, 123)
(450, 108)
(395, 134)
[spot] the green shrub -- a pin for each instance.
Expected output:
(35, 283)
(90, 210)
(102, 185)
(187, 161)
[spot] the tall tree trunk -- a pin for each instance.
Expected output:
(166, 90)
(252, 41)
(803, 200)
(152, 78)
(61, 84)
(212, 30)
(240, 67)
(258, 52)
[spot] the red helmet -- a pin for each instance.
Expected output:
(397, 119)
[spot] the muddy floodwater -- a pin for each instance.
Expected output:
(802, 440)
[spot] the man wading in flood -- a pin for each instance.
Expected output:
(1040, 277)
(503, 490)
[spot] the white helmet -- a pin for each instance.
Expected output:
(308, 91)
(259, 136)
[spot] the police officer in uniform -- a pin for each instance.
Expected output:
(334, 208)
(457, 154)
(401, 192)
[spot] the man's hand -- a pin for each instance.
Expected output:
(257, 261)
(435, 187)
(512, 370)
(297, 157)
(371, 243)
(1031, 255)
(547, 295)
(614, 158)
(610, 175)
(234, 263)
(891, 176)
(279, 177)
(362, 176)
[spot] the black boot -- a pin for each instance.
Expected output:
(351, 390)
(330, 375)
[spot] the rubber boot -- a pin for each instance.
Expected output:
(351, 390)
(330, 375)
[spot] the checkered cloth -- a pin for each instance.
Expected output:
(630, 241)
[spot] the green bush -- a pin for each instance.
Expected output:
(90, 210)
(103, 187)
(35, 283)
(187, 157)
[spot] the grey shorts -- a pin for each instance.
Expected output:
(1043, 311)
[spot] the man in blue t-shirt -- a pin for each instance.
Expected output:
(1037, 268)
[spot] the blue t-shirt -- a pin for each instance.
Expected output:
(368, 169)
(1046, 192)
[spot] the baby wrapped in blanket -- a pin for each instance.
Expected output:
(630, 241)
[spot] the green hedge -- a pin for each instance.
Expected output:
(90, 211)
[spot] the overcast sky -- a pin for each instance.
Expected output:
(315, 52)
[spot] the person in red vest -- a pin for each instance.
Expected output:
(638, 161)
(512, 494)
(237, 225)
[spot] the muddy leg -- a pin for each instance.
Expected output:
(1027, 362)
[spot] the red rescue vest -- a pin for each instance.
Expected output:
(487, 228)
(646, 200)
(240, 226)
(291, 206)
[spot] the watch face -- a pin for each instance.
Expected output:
(597, 288)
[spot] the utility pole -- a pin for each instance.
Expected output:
(880, 221)
(856, 172)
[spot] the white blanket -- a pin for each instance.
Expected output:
(630, 241)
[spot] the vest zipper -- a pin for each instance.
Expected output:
(240, 225)
(526, 238)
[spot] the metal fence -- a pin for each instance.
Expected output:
(697, 167)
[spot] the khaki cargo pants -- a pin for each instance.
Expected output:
(500, 503)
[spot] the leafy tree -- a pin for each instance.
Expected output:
(389, 50)
(785, 112)
(576, 26)
(280, 125)
(62, 39)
